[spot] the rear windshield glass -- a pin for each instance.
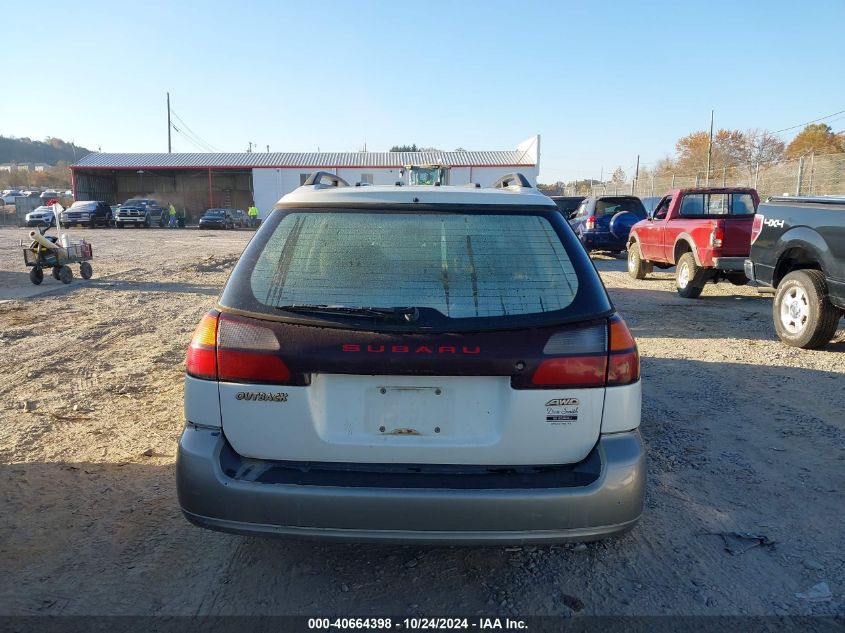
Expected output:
(460, 265)
(612, 206)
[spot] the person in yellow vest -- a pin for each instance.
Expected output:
(253, 216)
(172, 216)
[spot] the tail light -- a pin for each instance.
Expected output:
(590, 224)
(623, 365)
(757, 227)
(201, 361)
(235, 350)
(716, 237)
(600, 355)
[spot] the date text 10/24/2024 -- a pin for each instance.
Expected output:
(416, 624)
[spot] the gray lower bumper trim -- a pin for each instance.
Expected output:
(729, 263)
(610, 505)
(431, 537)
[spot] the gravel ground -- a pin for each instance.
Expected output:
(744, 435)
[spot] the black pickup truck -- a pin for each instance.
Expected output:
(798, 248)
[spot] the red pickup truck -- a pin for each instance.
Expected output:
(705, 232)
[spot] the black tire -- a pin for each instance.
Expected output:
(146, 223)
(36, 275)
(690, 278)
(738, 279)
(85, 270)
(65, 274)
(55, 272)
(802, 312)
(637, 267)
(92, 223)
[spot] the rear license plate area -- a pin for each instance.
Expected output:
(408, 411)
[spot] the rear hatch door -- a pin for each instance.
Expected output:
(491, 296)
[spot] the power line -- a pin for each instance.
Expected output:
(196, 136)
(786, 129)
(198, 139)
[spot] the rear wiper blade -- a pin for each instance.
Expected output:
(408, 314)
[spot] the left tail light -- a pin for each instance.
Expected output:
(231, 349)
(590, 224)
(201, 361)
(757, 227)
(716, 237)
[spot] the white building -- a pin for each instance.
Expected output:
(200, 181)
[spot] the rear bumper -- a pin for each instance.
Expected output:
(730, 264)
(599, 240)
(610, 505)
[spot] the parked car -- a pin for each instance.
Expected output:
(378, 369)
(240, 218)
(603, 223)
(798, 248)
(9, 195)
(49, 195)
(705, 232)
(91, 213)
(41, 216)
(144, 212)
(217, 219)
(568, 205)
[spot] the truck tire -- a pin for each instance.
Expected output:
(802, 313)
(55, 272)
(146, 223)
(689, 279)
(85, 270)
(637, 267)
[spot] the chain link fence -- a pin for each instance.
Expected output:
(807, 176)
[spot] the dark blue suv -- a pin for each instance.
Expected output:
(603, 223)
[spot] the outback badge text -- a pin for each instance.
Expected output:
(261, 396)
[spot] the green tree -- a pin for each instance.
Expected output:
(404, 148)
(618, 176)
(817, 138)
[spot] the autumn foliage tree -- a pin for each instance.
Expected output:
(817, 138)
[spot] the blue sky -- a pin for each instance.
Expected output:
(600, 81)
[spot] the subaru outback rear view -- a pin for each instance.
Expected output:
(417, 364)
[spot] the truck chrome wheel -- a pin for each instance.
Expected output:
(683, 276)
(794, 310)
(631, 264)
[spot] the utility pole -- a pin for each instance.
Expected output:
(169, 147)
(636, 175)
(249, 151)
(709, 150)
(268, 149)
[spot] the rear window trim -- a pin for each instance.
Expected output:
(550, 212)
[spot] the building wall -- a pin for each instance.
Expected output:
(271, 184)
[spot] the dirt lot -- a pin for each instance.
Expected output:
(744, 435)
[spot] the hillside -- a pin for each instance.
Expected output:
(50, 151)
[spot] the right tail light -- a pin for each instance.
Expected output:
(596, 356)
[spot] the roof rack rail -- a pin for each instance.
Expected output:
(511, 180)
(318, 177)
